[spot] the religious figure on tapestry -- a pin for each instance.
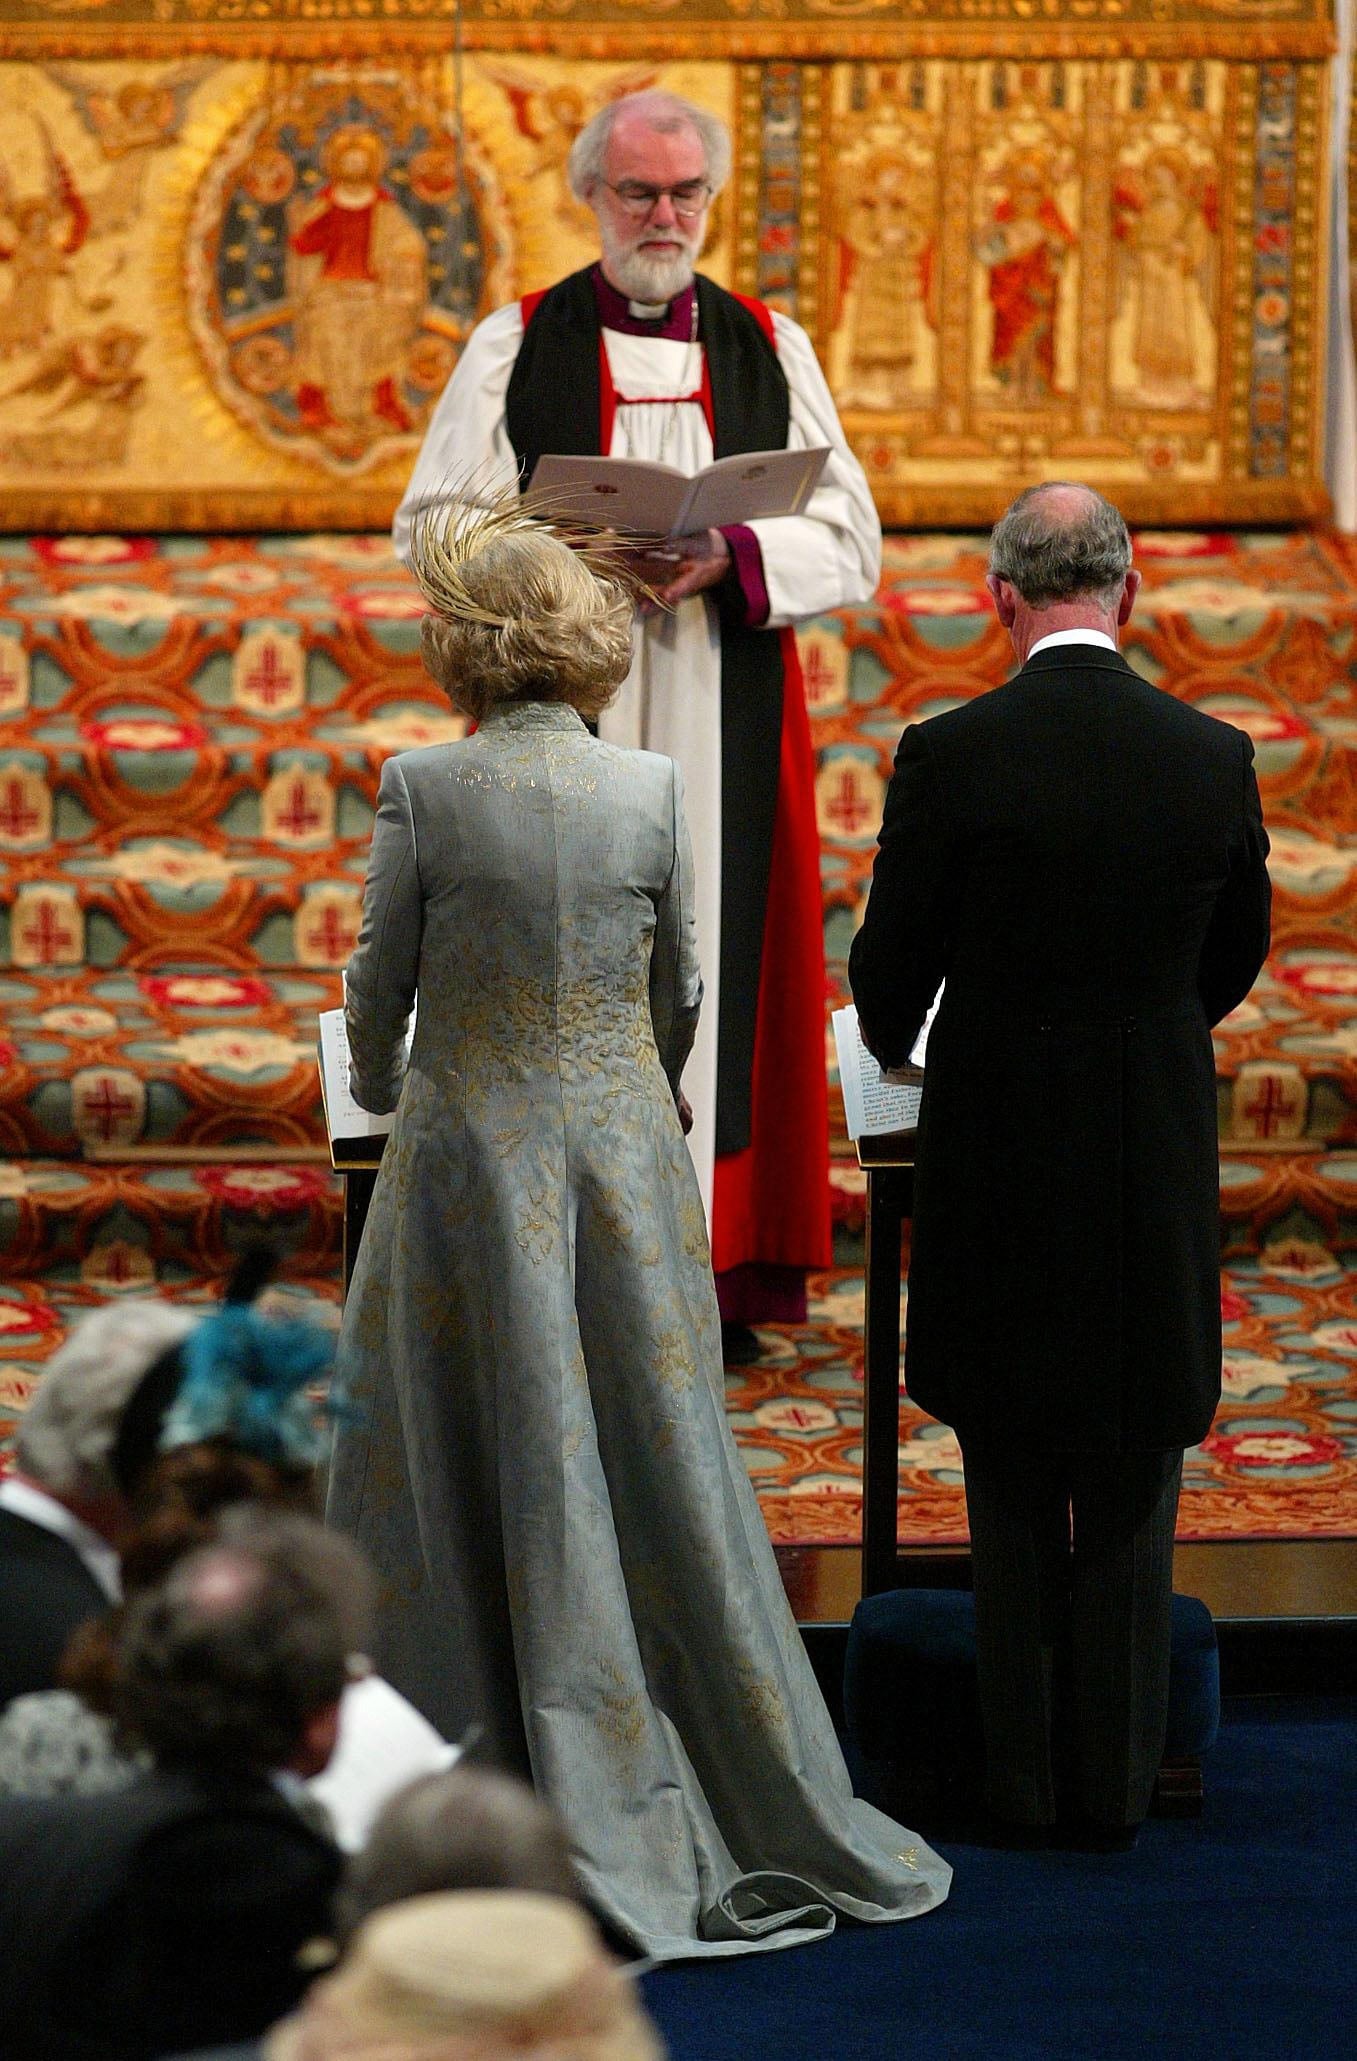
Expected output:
(1023, 247)
(78, 400)
(1166, 222)
(358, 279)
(888, 282)
(550, 113)
(39, 234)
(131, 122)
(341, 267)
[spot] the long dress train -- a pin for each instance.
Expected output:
(543, 1473)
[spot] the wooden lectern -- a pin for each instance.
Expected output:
(357, 1158)
(360, 1178)
(889, 1165)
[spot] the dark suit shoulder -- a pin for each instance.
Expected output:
(1035, 694)
(46, 1591)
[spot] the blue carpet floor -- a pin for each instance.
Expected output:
(1231, 1937)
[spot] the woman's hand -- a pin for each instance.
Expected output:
(685, 1113)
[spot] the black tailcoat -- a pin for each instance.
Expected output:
(46, 1591)
(155, 1919)
(1083, 858)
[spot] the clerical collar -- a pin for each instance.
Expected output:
(670, 319)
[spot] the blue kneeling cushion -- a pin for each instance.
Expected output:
(909, 1678)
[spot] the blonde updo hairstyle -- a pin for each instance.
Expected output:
(517, 614)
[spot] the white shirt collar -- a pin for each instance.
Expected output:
(25, 1499)
(1073, 637)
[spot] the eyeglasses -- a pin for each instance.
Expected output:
(687, 199)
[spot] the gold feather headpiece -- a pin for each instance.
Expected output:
(449, 535)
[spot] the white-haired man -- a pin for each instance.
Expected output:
(91, 1427)
(640, 356)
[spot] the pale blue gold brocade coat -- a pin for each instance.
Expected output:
(569, 1543)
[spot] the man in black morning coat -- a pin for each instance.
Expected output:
(181, 1911)
(1083, 859)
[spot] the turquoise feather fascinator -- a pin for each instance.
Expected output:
(250, 1378)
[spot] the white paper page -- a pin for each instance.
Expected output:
(873, 1106)
(346, 1118)
(384, 1742)
(617, 493)
(918, 1055)
(751, 485)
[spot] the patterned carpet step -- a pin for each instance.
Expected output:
(1281, 1460)
(155, 764)
(256, 629)
(1295, 1208)
(1286, 1059)
(145, 769)
(1303, 1202)
(216, 1057)
(149, 902)
(123, 1227)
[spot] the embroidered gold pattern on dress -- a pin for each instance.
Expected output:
(544, 1475)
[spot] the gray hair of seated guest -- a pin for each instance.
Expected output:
(467, 1828)
(667, 112)
(67, 1434)
(223, 1662)
(1051, 554)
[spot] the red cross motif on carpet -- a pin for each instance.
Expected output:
(47, 928)
(849, 795)
(824, 668)
(1269, 1103)
(299, 808)
(25, 806)
(117, 1266)
(107, 1107)
(327, 927)
(13, 676)
(268, 673)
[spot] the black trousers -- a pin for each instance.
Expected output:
(1072, 1555)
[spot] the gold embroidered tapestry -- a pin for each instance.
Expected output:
(1027, 238)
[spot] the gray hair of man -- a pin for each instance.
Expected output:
(225, 1661)
(467, 1828)
(67, 1434)
(667, 112)
(1061, 541)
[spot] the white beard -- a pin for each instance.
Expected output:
(642, 277)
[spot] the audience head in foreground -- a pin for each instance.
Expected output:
(238, 1659)
(518, 615)
(176, 1911)
(1060, 559)
(466, 1829)
(95, 1422)
(497, 1975)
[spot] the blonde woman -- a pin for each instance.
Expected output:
(544, 1475)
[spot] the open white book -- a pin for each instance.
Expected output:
(877, 1104)
(659, 501)
(347, 1124)
(384, 1742)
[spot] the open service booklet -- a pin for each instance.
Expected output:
(659, 501)
(347, 1124)
(877, 1104)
